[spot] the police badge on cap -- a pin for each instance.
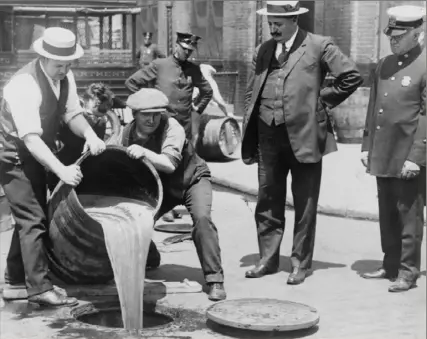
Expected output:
(187, 40)
(404, 18)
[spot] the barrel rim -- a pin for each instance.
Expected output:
(119, 148)
(236, 123)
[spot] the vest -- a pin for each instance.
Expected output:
(51, 111)
(188, 172)
(271, 103)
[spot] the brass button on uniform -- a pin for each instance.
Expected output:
(378, 127)
(385, 94)
(381, 110)
(392, 78)
(400, 63)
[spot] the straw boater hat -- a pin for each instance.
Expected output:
(58, 43)
(283, 8)
(404, 18)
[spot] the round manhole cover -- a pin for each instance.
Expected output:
(263, 314)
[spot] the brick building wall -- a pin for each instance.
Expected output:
(356, 27)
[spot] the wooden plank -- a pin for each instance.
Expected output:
(151, 288)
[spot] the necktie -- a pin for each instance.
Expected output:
(283, 56)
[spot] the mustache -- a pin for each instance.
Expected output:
(275, 34)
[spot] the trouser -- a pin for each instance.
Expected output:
(276, 159)
(401, 205)
(198, 201)
(25, 188)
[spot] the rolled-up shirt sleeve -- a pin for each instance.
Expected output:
(73, 107)
(23, 96)
(173, 141)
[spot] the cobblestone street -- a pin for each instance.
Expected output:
(349, 306)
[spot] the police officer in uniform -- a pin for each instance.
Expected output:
(394, 147)
(148, 51)
(176, 77)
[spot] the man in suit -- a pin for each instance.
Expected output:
(148, 51)
(286, 128)
(394, 147)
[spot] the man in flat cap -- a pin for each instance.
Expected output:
(286, 128)
(176, 77)
(35, 101)
(148, 51)
(156, 136)
(394, 147)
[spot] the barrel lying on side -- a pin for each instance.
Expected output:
(76, 249)
(218, 137)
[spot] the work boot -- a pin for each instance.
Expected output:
(19, 291)
(176, 214)
(403, 283)
(216, 291)
(52, 298)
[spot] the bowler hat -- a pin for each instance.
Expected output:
(149, 100)
(282, 8)
(404, 18)
(187, 40)
(58, 43)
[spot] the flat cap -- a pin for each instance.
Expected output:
(403, 18)
(148, 100)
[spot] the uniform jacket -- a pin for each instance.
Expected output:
(395, 128)
(177, 81)
(146, 54)
(309, 129)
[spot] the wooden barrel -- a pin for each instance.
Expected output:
(76, 249)
(349, 117)
(219, 137)
(6, 221)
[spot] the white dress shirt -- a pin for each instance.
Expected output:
(24, 97)
(288, 44)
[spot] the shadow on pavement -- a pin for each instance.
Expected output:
(250, 334)
(365, 266)
(285, 263)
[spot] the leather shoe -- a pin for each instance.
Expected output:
(19, 291)
(381, 273)
(297, 276)
(259, 271)
(216, 292)
(176, 214)
(402, 285)
(168, 217)
(52, 298)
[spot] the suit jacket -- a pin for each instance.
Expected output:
(311, 58)
(395, 128)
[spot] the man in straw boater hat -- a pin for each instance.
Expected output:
(394, 147)
(148, 51)
(158, 137)
(286, 128)
(35, 100)
(176, 77)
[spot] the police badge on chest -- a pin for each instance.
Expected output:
(406, 81)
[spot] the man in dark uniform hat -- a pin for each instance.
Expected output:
(176, 77)
(394, 147)
(159, 138)
(148, 51)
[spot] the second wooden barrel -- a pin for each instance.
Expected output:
(219, 137)
(76, 249)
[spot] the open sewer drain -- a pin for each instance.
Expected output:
(112, 318)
